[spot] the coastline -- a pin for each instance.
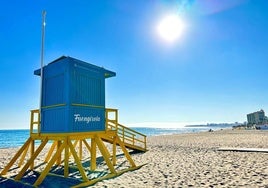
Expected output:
(193, 160)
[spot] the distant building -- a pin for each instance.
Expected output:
(257, 118)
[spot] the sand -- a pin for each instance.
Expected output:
(193, 160)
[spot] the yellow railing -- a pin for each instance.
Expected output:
(35, 122)
(129, 136)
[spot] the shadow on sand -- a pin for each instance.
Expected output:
(55, 177)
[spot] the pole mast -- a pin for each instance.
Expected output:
(42, 58)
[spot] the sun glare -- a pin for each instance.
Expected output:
(170, 28)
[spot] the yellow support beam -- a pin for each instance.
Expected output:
(93, 154)
(79, 165)
(23, 155)
(105, 153)
(125, 151)
(80, 150)
(31, 160)
(32, 152)
(75, 144)
(114, 151)
(59, 158)
(87, 145)
(66, 159)
(49, 165)
(17, 155)
(50, 151)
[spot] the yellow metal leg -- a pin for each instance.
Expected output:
(79, 165)
(93, 155)
(125, 151)
(80, 150)
(49, 165)
(13, 160)
(59, 158)
(50, 151)
(105, 153)
(114, 151)
(32, 152)
(75, 144)
(23, 156)
(31, 160)
(87, 145)
(66, 159)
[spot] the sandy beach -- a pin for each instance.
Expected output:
(193, 160)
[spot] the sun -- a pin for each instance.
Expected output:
(170, 28)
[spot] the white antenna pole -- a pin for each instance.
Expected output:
(42, 57)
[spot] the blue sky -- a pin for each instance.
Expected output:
(215, 72)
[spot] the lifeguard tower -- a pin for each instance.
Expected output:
(73, 120)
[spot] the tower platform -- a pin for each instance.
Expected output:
(74, 156)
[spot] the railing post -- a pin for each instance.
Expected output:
(123, 134)
(106, 119)
(145, 144)
(39, 121)
(116, 119)
(114, 151)
(31, 123)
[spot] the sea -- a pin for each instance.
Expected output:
(16, 138)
